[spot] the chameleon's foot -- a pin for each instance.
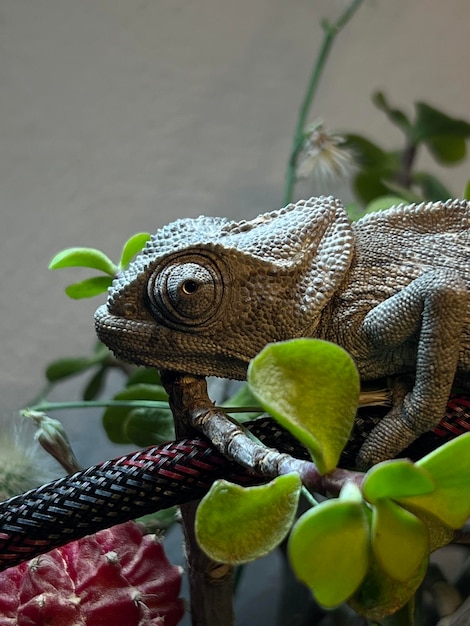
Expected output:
(385, 441)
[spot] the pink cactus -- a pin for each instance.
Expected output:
(117, 577)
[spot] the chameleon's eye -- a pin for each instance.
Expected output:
(186, 290)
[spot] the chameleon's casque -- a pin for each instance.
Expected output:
(207, 294)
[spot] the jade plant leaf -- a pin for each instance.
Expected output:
(447, 149)
(399, 539)
(132, 247)
(89, 287)
(311, 387)
(329, 550)
(237, 524)
(83, 257)
(380, 595)
(394, 479)
(449, 467)
(433, 123)
(120, 422)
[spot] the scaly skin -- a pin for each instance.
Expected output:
(207, 294)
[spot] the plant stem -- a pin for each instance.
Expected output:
(403, 176)
(330, 32)
(210, 583)
(47, 407)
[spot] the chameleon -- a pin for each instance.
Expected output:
(207, 294)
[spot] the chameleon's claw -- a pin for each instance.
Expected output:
(385, 441)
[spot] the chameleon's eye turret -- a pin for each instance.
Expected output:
(186, 290)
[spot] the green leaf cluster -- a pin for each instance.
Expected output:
(98, 362)
(97, 260)
(369, 546)
(384, 172)
(134, 423)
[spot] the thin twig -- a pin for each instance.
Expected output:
(330, 32)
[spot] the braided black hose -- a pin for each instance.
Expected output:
(159, 477)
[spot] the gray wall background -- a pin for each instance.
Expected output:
(117, 116)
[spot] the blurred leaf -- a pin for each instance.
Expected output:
(439, 534)
(399, 539)
(368, 185)
(132, 247)
(380, 595)
(89, 287)
(311, 387)
(431, 187)
(161, 520)
(83, 257)
(63, 368)
(149, 427)
(449, 466)
(396, 116)
(394, 479)
(237, 524)
(466, 193)
(447, 149)
(383, 203)
(354, 211)
(406, 194)
(365, 153)
(95, 385)
(329, 550)
(433, 123)
(146, 375)
(243, 397)
(115, 417)
(405, 616)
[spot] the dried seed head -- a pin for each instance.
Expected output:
(23, 463)
(323, 155)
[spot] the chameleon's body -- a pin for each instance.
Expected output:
(207, 294)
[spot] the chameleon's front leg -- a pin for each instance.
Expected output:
(429, 311)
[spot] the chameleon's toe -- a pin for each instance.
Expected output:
(385, 441)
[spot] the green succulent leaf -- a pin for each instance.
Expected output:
(380, 595)
(160, 520)
(432, 123)
(395, 188)
(237, 524)
(132, 247)
(95, 385)
(83, 257)
(354, 211)
(449, 466)
(399, 539)
(431, 187)
(369, 185)
(329, 550)
(366, 153)
(311, 387)
(63, 368)
(145, 375)
(148, 427)
(466, 193)
(396, 116)
(395, 479)
(115, 417)
(447, 149)
(439, 534)
(383, 203)
(89, 287)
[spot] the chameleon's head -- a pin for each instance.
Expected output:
(207, 294)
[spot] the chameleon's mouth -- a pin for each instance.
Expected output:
(129, 340)
(153, 345)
